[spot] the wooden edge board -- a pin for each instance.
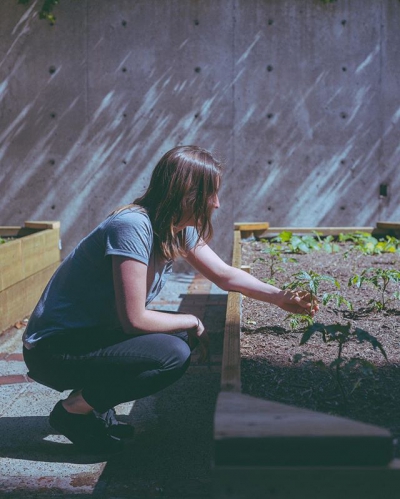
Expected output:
(307, 482)
(42, 224)
(17, 231)
(250, 226)
(323, 230)
(388, 225)
(230, 366)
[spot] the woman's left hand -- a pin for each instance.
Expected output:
(297, 302)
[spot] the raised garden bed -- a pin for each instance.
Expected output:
(28, 259)
(364, 382)
(268, 443)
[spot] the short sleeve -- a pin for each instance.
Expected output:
(129, 234)
(192, 238)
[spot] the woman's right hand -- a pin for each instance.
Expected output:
(198, 337)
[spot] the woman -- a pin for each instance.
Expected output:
(91, 331)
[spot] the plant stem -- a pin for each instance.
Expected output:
(338, 377)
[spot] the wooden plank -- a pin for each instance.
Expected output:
(230, 367)
(12, 231)
(40, 250)
(18, 301)
(326, 231)
(262, 482)
(388, 225)
(237, 250)
(42, 224)
(11, 265)
(253, 431)
(250, 226)
(25, 256)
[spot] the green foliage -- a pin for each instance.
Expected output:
(274, 251)
(310, 281)
(46, 11)
(380, 279)
(369, 245)
(305, 244)
(299, 320)
(2, 241)
(338, 298)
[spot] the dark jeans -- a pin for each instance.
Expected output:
(110, 369)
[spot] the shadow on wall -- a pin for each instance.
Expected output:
(89, 106)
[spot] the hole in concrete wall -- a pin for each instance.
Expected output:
(344, 68)
(124, 162)
(196, 22)
(53, 115)
(124, 23)
(124, 70)
(343, 115)
(52, 70)
(196, 115)
(342, 161)
(344, 22)
(343, 208)
(270, 161)
(383, 190)
(53, 206)
(270, 68)
(269, 208)
(197, 70)
(124, 115)
(270, 115)
(270, 22)
(52, 162)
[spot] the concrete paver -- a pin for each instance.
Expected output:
(171, 454)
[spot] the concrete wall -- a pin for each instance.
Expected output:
(300, 99)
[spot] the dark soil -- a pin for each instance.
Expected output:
(271, 363)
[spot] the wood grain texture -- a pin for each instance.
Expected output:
(28, 255)
(42, 224)
(326, 231)
(230, 368)
(250, 226)
(252, 431)
(18, 300)
(267, 482)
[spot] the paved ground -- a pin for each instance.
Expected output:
(171, 454)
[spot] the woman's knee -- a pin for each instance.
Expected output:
(177, 353)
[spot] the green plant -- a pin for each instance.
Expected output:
(297, 244)
(274, 252)
(370, 245)
(338, 299)
(327, 244)
(380, 279)
(2, 241)
(341, 334)
(46, 11)
(310, 282)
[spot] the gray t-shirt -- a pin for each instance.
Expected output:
(81, 292)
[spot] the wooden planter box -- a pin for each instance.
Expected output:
(270, 450)
(27, 263)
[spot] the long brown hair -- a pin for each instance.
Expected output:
(185, 180)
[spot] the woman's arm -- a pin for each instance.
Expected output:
(228, 278)
(130, 284)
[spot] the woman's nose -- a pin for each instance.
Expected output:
(216, 201)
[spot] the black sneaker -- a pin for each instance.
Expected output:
(85, 431)
(114, 427)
